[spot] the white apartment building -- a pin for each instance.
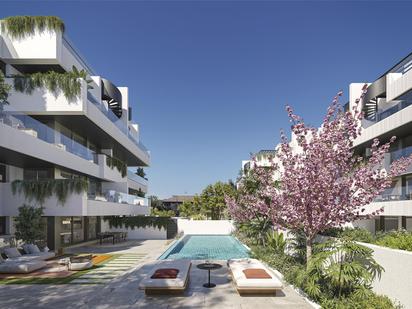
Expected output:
(388, 112)
(46, 136)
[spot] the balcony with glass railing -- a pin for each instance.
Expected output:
(39, 130)
(400, 194)
(136, 178)
(400, 153)
(113, 196)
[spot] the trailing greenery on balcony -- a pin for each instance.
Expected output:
(138, 222)
(40, 190)
(118, 164)
(20, 27)
(69, 83)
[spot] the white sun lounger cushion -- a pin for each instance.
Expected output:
(179, 283)
(237, 266)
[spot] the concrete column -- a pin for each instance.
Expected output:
(399, 223)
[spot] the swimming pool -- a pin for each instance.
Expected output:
(206, 247)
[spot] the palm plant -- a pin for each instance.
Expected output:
(276, 241)
(340, 268)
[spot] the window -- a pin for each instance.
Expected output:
(2, 225)
(2, 173)
(36, 174)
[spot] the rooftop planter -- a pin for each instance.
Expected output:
(20, 27)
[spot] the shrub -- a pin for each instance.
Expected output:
(355, 301)
(357, 234)
(276, 241)
(396, 240)
(30, 226)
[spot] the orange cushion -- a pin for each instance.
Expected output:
(256, 273)
(165, 273)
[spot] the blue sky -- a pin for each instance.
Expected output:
(209, 80)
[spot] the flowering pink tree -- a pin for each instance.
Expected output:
(323, 184)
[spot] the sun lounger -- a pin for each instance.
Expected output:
(167, 277)
(250, 276)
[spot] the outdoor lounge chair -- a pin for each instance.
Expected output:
(167, 277)
(250, 276)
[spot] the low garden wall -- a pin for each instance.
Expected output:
(221, 227)
(396, 281)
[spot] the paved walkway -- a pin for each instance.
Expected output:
(123, 291)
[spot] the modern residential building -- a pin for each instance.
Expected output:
(388, 112)
(52, 137)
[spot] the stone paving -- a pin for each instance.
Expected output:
(124, 292)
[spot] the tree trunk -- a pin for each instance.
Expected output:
(309, 241)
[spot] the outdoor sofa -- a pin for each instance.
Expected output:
(251, 276)
(167, 277)
(18, 263)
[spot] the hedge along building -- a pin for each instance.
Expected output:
(67, 139)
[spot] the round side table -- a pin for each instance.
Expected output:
(208, 267)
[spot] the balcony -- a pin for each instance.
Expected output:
(111, 204)
(39, 130)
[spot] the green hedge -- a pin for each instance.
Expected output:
(138, 222)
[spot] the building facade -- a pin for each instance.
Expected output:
(387, 106)
(57, 138)
(388, 112)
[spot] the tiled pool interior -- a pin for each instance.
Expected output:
(206, 247)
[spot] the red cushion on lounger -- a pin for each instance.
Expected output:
(165, 273)
(256, 273)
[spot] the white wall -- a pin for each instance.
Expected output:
(396, 281)
(223, 227)
(137, 233)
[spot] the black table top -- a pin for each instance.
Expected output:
(207, 266)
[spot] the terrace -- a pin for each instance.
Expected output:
(123, 290)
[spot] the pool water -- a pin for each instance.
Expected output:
(206, 247)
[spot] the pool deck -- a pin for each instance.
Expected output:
(123, 291)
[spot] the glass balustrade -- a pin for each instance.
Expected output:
(401, 153)
(37, 129)
(119, 198)
(136, 178)
(395, 194)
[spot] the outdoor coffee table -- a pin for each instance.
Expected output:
(208, 267)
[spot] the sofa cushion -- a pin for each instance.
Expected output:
(26, 248)
(34, 249)
(256, 273)
(11, 267)
(165, 273)
(12, 252)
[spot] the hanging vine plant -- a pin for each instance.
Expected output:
(20, 27)
(40, 190)
(118, 164)
(68, 82)
(138, 222)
